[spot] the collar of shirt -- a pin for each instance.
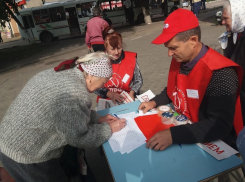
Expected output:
(190, 65)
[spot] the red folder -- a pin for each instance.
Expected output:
(150, 125)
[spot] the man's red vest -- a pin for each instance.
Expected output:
(187, 91)
(122, 74)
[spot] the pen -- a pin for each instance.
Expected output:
(116, 116)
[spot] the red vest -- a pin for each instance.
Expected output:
(122, 74)
(187, 91)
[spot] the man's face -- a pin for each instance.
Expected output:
(226, 20)
(179, 50)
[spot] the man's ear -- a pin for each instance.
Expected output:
(193, 40)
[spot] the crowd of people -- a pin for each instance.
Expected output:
(53, 110)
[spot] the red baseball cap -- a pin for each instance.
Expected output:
(179, 21)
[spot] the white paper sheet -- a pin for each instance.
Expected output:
(147, 96)
(218, 149)
(129, 138)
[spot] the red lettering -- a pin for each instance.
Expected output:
(212, 146)
(207, 144)
(217, 151)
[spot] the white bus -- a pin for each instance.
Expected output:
(123, 11)
(48, 22)
(163, 6)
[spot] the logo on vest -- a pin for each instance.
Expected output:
(179, 101)
(114, 82)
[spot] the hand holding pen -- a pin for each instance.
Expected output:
(117, 125)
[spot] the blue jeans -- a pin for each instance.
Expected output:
(240, 143)
(203, 4)
(196, 8)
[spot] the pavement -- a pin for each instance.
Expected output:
(153, 61)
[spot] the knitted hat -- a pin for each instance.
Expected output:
(98, 64)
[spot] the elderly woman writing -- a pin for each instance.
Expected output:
(126, 72)
(51, 111)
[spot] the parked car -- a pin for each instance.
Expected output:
(185, 4)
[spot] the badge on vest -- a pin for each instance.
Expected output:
(192, 93)
(125, 78)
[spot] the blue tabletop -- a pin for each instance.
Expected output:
(174, 164)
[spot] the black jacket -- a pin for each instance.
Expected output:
(236, 52)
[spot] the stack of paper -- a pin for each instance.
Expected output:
(129, 138)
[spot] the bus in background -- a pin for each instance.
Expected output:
(163, 6)
(48, 22)
(120, 12)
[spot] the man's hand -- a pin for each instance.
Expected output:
(146, 106)
(107, 118)
(115, 97)
(117, 125)
(160, 141)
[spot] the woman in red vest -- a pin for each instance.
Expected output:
(126, 72)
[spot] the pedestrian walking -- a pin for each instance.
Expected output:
(191, 4)
(1, 40)
(196, 7)
(203, 4)
(95, 26)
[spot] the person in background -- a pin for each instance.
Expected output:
(196, 7)
(126, 72)
(233, 45)
(191, 4)
(173, 9)
(1, 39)
(203, 5)
(95, 26)
(52, 111)
(202, 85)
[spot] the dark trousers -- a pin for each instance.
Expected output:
(196, 8)
(98, 47)
(203, 4)
(191, 4)
(49, 171)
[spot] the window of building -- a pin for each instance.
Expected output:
(41, 16)
(57, 14)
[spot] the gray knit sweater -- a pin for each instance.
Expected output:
(51, 111)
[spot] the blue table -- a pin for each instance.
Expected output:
(175, 164)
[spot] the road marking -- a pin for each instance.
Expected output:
(136, 38)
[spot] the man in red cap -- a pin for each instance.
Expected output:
(202, 85)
